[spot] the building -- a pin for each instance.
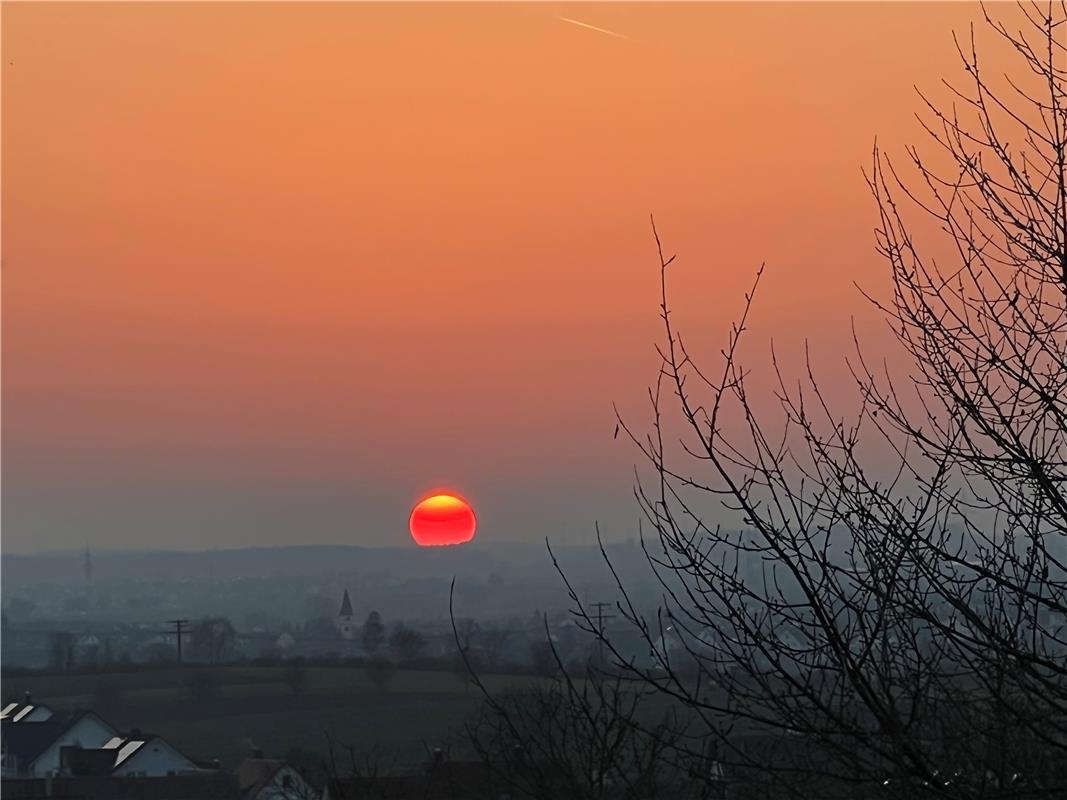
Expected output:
(81, 757)
(82, 744)
(25, 711)
(272, 779)
(141, 756)
(214, 785)
(33, 748)
(345, 623)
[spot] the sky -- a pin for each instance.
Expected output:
(273, 272)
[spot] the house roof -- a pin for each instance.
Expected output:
(124, 747)
(17, 712)
(27, 740)
(346, 606)
(255, 773)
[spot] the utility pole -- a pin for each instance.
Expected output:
(600, 617)
(177, 623)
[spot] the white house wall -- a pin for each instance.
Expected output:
(88, 731)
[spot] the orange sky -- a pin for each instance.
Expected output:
(272, 271)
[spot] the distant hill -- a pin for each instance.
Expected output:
(511, 558)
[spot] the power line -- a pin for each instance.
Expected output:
(177, 623)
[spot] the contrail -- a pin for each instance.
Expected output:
(595, 28)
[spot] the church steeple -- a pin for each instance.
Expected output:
(344, 618)
(346, 606)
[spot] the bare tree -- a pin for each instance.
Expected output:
(61, 651)
(406, 643)
(468, 656)
(543, 660)
(583, 738)
(492, 641)
(373, 634)
(213, 638)
(889, 625)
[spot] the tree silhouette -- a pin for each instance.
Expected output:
(61, 651)
(373, 634)
(542, 657)
(876, 625)
(591, 737)
(406, 643)
(212, 637)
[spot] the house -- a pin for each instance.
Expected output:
(33, 749)
(81, 762)
(344, 618)
(142, 756)
(272, 779)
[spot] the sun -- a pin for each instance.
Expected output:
(443, 518)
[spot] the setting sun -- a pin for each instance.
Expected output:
(442, 519)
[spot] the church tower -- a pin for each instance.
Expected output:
(344, 618)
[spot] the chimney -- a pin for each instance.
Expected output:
(27, 698)
(438, 755)
(135, 733)
(257, 752)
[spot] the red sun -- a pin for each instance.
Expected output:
(442, 519)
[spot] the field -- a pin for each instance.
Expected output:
(253, 706)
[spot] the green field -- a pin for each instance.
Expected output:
(252, 705)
